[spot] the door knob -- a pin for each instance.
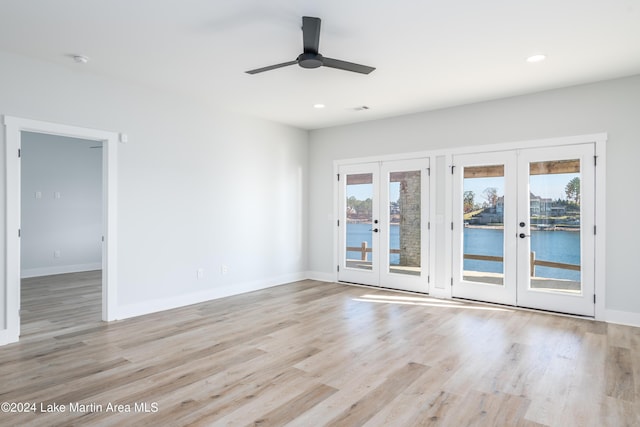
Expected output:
(522, 235)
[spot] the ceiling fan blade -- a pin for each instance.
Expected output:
(347, 66)
(310, 34)
(271, 67)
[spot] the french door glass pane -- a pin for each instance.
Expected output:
(359, 194)
(404, 222)
(483, 237)
(554, 201)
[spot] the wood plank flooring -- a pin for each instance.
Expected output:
(314, 354)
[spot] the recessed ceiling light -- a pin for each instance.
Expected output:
(80, 59)
(536, 58)
(318, 106)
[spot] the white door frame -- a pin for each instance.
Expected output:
(515, 289)
(600, 141)
(14, 127)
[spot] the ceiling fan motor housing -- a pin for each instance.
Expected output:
(310, 60)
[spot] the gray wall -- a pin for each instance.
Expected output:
(63, 234)
(611, 106)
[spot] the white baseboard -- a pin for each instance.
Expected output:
(622, 317)
(320, 276)
(59, 269)
(154, 306)
(8, 337)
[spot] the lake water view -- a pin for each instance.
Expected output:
(358, 233)
(558, 246)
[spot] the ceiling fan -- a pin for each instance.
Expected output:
(310, 57)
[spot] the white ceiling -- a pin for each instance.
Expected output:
(428, 54)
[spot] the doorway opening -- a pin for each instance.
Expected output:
(17, 130)
(61, 232)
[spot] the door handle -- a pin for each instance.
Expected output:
(522, 235)
(375, 230)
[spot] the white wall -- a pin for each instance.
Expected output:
(611, 106)
(70, 225)
(197, 187)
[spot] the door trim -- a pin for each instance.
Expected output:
(14, 127)
(600, 199)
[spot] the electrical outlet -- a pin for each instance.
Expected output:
(200, 273)
(224, 269)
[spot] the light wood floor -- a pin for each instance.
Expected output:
(313, 354)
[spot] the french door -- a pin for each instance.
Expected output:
(383, 224)
(484, 265)
(523, 230)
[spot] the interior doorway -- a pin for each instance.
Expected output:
(15, 130)
(61, 229)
